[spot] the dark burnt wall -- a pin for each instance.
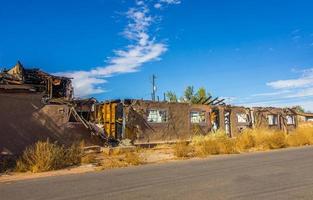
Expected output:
(238, 126)
(234, 126)
(261, 118)
(24, 120)
(178, 125)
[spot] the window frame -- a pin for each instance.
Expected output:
(275, 122)
(157, 122)
(242, 113)
(293, 120)
(200, 112)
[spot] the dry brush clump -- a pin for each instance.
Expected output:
(213, 143)
(301, 136)
(260, 139)
(46, 156)
(121, 159)
(182, 149)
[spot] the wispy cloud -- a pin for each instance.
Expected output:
(305, 81)
(143, 48)
(288, 92)
(160, 3)
(271, 93)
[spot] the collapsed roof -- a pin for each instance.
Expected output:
(20, 79)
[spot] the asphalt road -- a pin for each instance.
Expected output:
(283, 174)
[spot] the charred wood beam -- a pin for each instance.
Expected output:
(218, 102)
(200, 100)
(206, 100)
(210, 102)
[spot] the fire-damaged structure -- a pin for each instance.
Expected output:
(144, 122)
(19, 79)
(35, 105)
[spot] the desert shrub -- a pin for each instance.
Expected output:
(46, 156)
(269, 139)
(245, 140)
(260, 139)
(121, 160)
(111, 163)
(301, 136)
(74, 154)
(210, 146)
(88, 158)
(277, 140)
(182, 149)
(133, 158)
(227, 145)
(213, 143)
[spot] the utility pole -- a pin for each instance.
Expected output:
(153, 87)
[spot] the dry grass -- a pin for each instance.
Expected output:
(112, 162)
(122, 160)
(245, 141)
(249, 140)
(213, 143)
(260, 139)
(219, 143)
(182, 149)
(89, 158)
(132, 158)
(46, 156)
(301, 136)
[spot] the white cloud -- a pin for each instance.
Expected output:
(143, 48)
(171, 1)
(271, 93)
(305, 81)
(159, 4)
(289, 92)
(302, 93)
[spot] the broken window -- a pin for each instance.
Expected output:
(290, 119)
(242, 118)
(197, 117)
(272, 119)
(157, 116)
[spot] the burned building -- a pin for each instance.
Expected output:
(146, 122)
(275, 118)
(232, 119)
(305, 119)
(36, 106)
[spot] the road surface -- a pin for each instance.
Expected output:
(284, 174)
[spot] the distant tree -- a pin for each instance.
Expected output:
(299, 109)
(188, 94)
(201, 95)
(171, 96)
(191, 97)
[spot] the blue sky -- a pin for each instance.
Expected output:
(250, 52)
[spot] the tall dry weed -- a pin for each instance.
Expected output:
(46, 156)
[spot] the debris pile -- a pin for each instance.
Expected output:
(19, 79)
